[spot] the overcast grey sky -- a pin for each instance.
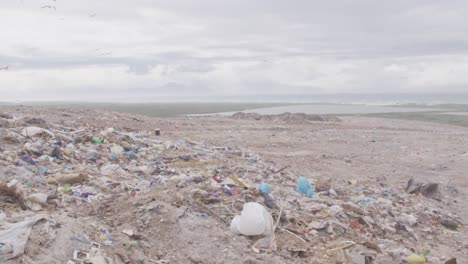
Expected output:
(111, 49)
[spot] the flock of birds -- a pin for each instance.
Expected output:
(6, 68)
(55, 9)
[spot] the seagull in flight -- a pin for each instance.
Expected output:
(50, 7)
(4, 68)
(92, 15)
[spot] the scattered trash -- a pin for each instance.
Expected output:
(106, 193)
(14, 236)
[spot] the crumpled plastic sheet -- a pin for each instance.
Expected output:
(14, 236)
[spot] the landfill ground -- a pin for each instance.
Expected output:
(90, 186)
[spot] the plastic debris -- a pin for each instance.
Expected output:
(238, 182)
(303, 186)
(36, 201)
(34, 131)
(254, 220)
(264, 187)
(416, 259)
(14, 236)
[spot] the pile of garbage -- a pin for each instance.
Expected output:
(88, 194)
(289, 118)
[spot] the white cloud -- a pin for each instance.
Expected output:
(152, 48)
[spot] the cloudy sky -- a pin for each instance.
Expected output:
(118, 49)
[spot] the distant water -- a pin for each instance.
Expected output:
(333, 109)
(372, 99)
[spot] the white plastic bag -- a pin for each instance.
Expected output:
(254, 220)
(14, 236)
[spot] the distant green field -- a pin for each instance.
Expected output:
(436, 117)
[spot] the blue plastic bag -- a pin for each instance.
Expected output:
(303, 186)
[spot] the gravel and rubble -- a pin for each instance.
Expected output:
(85, 186)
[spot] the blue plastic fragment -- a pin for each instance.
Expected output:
(264, 187)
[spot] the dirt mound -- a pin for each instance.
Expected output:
(294, 118)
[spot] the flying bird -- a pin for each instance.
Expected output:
(4, 68)
(50, 7)
(92, 15)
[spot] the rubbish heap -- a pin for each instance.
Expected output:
(88, 194)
